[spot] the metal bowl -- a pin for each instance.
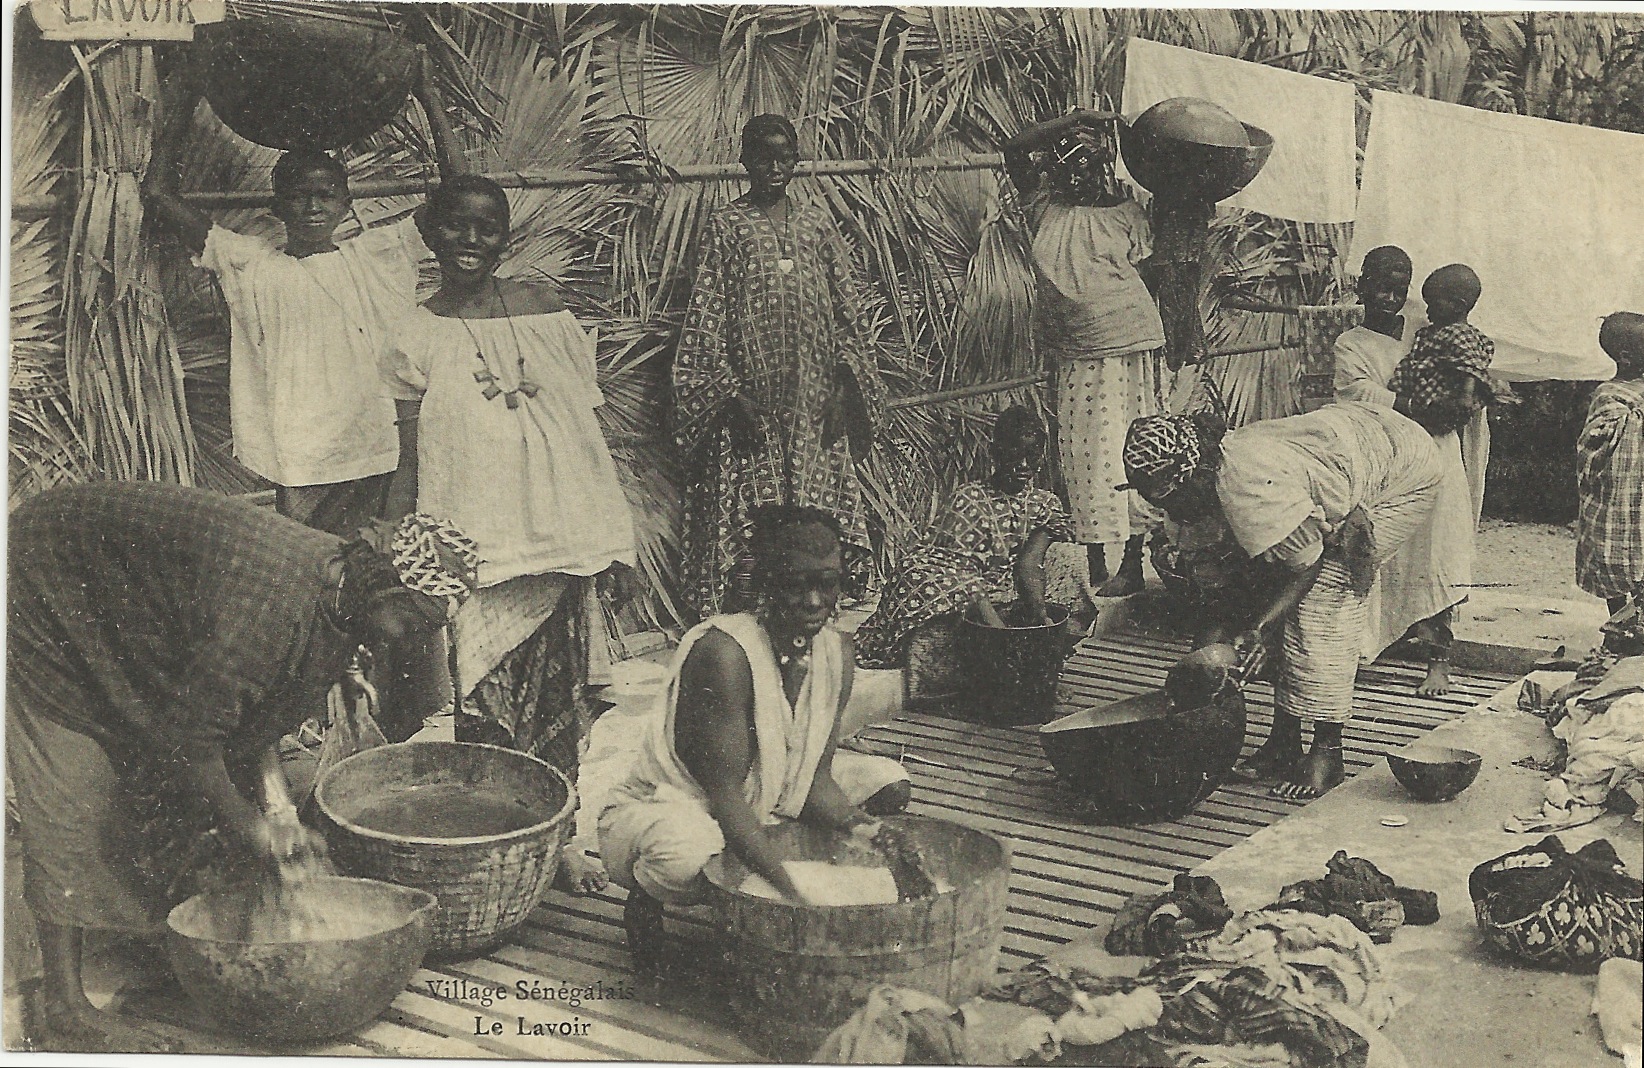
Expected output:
(305, 82)
(300, 991)
(1011, 673)
(1136, 761)
(1196, 679)
(1182, 147)
(1434, 772)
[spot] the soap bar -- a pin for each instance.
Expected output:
(829, 884)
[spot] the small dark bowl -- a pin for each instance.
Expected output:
(1434, 772)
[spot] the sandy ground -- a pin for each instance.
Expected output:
(1525, 593)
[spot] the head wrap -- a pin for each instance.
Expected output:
(1081, 148)
(430, 556)
(1161, 452)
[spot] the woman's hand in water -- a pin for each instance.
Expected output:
(274, 839)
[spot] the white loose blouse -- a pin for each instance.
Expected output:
(535, 484)
(305, 340)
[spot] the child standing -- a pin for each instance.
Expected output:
(1610, 473)
(1444, 380)
(308, 324)
(1444, 383)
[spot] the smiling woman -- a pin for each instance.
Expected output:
(494, 384)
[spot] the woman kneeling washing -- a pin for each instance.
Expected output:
(746, 735)
(987, 551)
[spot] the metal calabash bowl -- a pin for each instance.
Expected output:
(1140, 761)
(305, 82)
(1185, 147)
(300, 991)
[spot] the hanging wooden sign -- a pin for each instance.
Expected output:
(124, 20)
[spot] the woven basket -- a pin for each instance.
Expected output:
(486, 885)
(935, 674)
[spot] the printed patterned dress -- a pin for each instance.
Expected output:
(972, 550)
(774, 311)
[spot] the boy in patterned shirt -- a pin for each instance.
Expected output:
(1445, 377)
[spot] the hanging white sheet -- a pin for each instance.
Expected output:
(1309, 176)
(1550, 215)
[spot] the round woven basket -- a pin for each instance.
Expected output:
(486, 885)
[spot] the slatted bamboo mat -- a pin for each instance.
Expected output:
(1068, 876)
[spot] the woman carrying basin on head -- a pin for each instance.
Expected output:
(1096, 322)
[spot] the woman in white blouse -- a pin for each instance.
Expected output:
(494, 381)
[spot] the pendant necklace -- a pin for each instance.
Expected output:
(484, 376)
(784, 238)
(800, 652)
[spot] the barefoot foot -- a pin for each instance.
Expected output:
(1314, 775)
(90, 1030)
(578, 873)
(1275, 757)
(1437, 681)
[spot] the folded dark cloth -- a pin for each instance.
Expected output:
(1359, 891)
(1155, 925)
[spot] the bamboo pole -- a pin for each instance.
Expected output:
(982, 389)
(27, 208)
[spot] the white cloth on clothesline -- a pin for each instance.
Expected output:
(1548, 213)
(1309, 176)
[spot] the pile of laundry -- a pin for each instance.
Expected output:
(1358, 891)
(1280, 987)
(1599, 720)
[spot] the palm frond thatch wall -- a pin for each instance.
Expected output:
(662, 87)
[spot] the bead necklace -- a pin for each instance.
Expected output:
(484, 376)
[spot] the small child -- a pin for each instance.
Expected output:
(1610, 473)
(1445, 378)
(308, 323)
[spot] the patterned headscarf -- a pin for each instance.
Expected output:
(1161, 452)
(430, 556)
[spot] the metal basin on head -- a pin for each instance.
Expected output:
(305, 82)
(1190, 148)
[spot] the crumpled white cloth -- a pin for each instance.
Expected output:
(1606, 752)
(1619, 1009)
